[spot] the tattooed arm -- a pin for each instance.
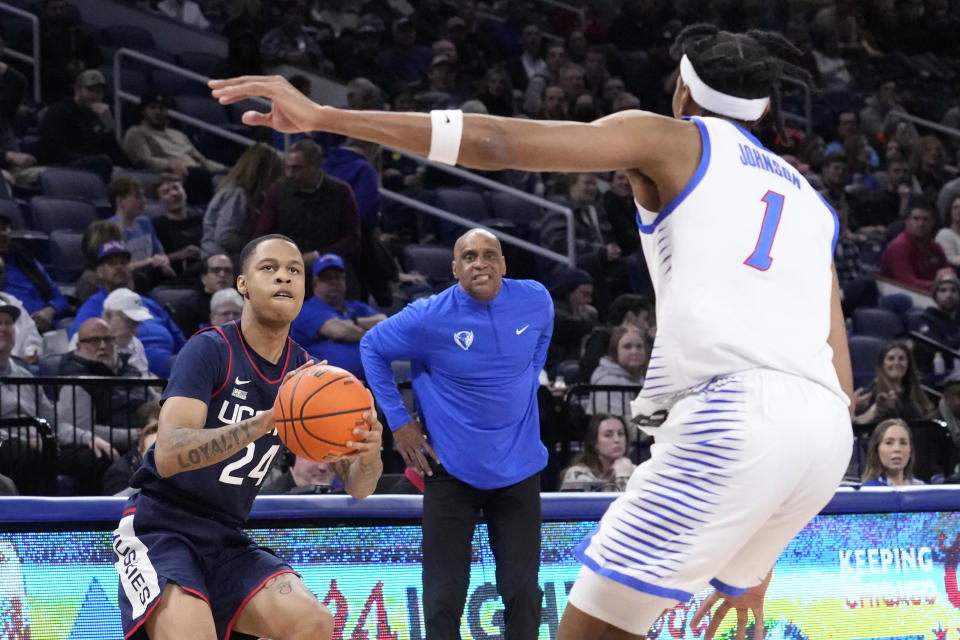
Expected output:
(183, 444)
(360, 471)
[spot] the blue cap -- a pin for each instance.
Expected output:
(326, 261)
(110, 248)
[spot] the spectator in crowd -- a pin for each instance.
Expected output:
(405, 62)
(154, 144)
(875, 211)
(624, 365)
(289, 42)
(78, 131)
(535, 93)
(217, 274)
(595, 70)
(602, 464)
(928, 160)
(621, 210)
(27, 281)
(13, 87)
(479, 402)
(180, 228)
(305, 476)
(186, 11)
(573, 82)
(858, 151)
(329, 326)
(857, 288)
(949, 236)
(946, 200)
(896, 390)
(881, 108)
(225, 305)
(574, 316)
(848, 123)
(554, 104)
(835, 177)
(949, 411)
(612, 89)
(359, 56)
(106, 410)
(597, 251)
(116, 479)
(20, 456)
(496, 94)
(139, 236)
(161, 337)
(232, 213)
(28, 344)
(941, 321)
(67, 48)
(97, 234)
(890, 456)
(627, 309)
(530, 62)
(441, 91)
(913, 257)
(315, 210)
(123, 311)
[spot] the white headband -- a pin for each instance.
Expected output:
(746, 109)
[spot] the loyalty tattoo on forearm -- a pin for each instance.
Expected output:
(201, 447)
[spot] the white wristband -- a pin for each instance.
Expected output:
(446, 131)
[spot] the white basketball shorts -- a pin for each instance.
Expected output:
(737, 470)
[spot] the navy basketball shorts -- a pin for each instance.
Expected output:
(737, 470)
(157, 543)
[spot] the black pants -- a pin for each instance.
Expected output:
(451, 509)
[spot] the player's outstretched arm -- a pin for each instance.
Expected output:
(360, 471)
(624, 140)
(183, 444)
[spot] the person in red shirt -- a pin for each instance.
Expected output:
(913, 257)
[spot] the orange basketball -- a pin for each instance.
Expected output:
(317, 411)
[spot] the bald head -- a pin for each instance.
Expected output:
(478, 264)
(469, 235)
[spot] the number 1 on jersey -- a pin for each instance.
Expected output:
(760, 258)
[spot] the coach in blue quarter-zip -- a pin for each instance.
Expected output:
(476, 351)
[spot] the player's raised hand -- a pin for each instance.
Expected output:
(292, 112)
(750, 600)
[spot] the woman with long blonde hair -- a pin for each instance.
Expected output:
(231, 215)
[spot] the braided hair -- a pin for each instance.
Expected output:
(745, 65)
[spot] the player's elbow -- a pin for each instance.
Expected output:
(165, 464)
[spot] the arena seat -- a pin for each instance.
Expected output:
(864, 351)
(58, 182)
(50, 214)
(468, 204)
(173, 84)
(66, 255)
(512, 207)
(432, 261)
(180, 303)
(874, 321)
(899, 303)
(11, 210)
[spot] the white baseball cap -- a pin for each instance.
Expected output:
(129, 302)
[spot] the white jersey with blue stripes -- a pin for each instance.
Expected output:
(741, 264)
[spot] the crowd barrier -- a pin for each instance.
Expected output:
(876, 563)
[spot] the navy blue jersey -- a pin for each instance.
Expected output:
(218, 367)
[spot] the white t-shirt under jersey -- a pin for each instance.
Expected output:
(741, 263)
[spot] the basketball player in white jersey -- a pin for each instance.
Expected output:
(750, 375)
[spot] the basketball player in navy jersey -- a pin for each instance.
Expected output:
(740, 249)
(187, 569)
